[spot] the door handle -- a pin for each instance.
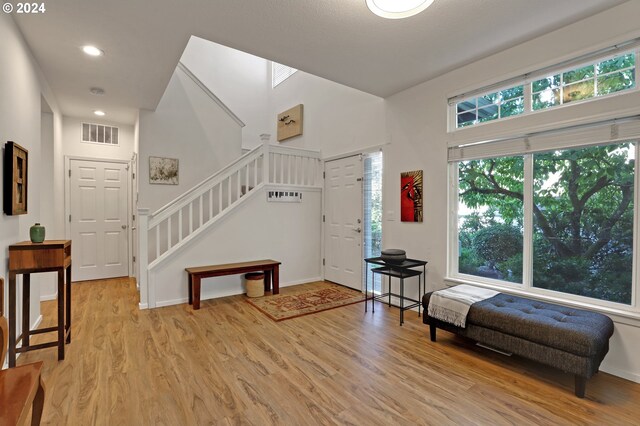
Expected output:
(124, 226)
(358, 230)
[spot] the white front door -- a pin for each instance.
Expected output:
(343, 221)
(98, 219)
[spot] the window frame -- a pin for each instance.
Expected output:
(291, 71)
(527, 288)
(527, 81)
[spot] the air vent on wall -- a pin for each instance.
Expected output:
(98, 133)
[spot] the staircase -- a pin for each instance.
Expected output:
(172, 227)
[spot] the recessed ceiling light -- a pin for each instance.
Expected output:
(92, 50)
(99, 113)
(396, 9)
(98, 91)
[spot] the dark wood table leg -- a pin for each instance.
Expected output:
(38, 404)
(267, 280)
(196, 293)
(401, 301)
(68, 305)
(26, 309)
(190, 289)
(12, 319)
(61, 314)
(276, 279)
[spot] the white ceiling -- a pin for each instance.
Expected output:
(336, 39)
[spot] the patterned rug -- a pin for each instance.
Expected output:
(309, 300)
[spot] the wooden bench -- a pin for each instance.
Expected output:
(271, 269)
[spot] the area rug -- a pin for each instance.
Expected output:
(308, 300)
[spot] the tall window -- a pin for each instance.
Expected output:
(372, 226)
(583, 221)
(490, 218)
(580, 206)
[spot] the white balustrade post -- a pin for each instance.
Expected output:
(143, 254)
(265, 137)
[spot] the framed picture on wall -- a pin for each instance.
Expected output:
(15, 179)
(411, 196)
(163, 171)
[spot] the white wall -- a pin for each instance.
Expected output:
(337, 118)
(189, 126)
(22, 87)
(74, 147)
(287, 232)
(238, 79)
(417, 124)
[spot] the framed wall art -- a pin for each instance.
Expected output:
(290, 123)
(163, 171)
(411, 196)
(15, 179)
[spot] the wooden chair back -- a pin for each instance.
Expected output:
(4, 329)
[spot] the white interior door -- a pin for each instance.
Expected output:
(98, 209)
(343, 221)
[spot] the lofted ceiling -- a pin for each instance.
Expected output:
(340, 40)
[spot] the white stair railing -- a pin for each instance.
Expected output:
(181, 220)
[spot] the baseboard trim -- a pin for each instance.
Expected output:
(234, 292)
(634, 377)
(48, 297)
(142, 306)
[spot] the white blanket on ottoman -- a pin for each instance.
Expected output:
(452, 304)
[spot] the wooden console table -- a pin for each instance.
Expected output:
(27, 258)
(270, 267)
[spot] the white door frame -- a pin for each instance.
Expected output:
(323, 227)
(67, 198)
(363, 152)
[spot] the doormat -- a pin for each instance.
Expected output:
(309, 300)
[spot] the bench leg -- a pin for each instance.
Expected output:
(190, 289)
(196, 293)
(276, 279)
(267, 280)
(581, 386)
(432, 332)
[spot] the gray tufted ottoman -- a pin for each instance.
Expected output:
(572, 340)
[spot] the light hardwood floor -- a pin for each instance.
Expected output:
(229, 364)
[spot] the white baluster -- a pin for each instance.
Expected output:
(246, 181)
(168, 233)
(255, 172)
(201, 210)
(239, 178)
(211, 203)
(229, 191)
(143, 254)
(220, 197)
(180, 225)
(157, 241)
(190, 218)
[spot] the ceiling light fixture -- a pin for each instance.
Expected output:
(96, 91)
(397, 9)
(99, 113)
(92, 50)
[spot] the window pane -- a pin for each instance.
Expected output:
(577, 91)
(512, 107)
(545, 99)
(545, 83)
(467, 105)
(490, 99)
(511, 93)
(583, 221)
(615, 64)
(490, 218)
(616, 82)
(577, 75)
(487, 114)
(466, 118)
